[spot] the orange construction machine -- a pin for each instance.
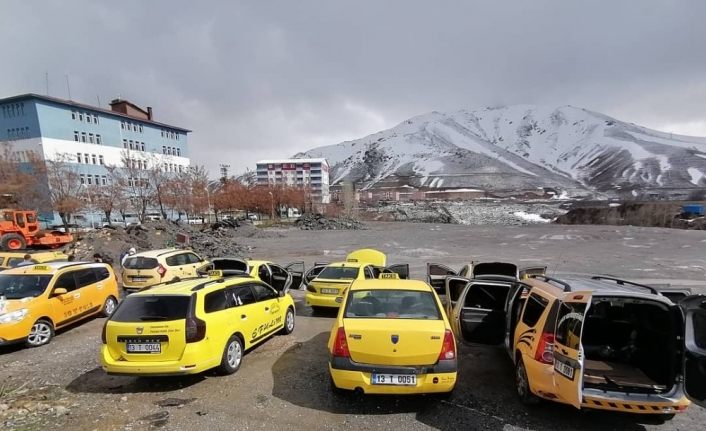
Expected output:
(19, 229)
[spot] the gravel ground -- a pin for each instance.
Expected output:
(283, 384)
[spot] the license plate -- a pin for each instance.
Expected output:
(144, 348)
(394, 379)
(139, 278)
(330, 291)
(564, 369)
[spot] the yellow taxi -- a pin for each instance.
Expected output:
(593, 342)
(391, 336)
(10, 259)
(190, 326)
(157, 266)
(326, 290)
(36, 300)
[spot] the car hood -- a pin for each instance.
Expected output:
(9, 305)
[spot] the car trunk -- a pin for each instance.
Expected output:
(330, 287)
(140, 271)
(631, 345)
(411, 342)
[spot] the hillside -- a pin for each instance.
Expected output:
(522, 147)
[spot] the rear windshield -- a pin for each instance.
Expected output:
(139, 308)
(18, 286)
(139, 262)
(338, 273)
(392, 304)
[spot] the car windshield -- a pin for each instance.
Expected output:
(139, 262)
(392, 304)
(338, 273)
(140, 308)
(18, 286)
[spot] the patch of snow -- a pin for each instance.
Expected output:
(535, 218)
(696, 175)
(564, 195)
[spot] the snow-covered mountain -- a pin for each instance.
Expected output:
(522, 147)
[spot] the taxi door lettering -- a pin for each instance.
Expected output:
(266, 327)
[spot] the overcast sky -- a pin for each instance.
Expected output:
(265, 79)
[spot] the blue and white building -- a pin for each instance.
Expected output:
(90, 137)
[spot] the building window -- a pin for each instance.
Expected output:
(78, 158)
(89, 181)
(83, 179)
(180, 168)
(125, 143)
(122, 125)
(131, 146)
(80, 116)
(104, 179)
(98, 139)
(101, 160)
(83, 136)
(177, 136)
(93, 158)
(73, 115)
(179, 152)
(75, 135)
(86, 159)
(142, 146)
(95, 119)
(140, 128)
(90, 138)
(164, 149)
(162, 133)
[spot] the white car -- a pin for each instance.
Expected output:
(195, 220)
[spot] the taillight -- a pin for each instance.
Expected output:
(448, 348)
(340, 345)
(104, 335)
(195, 329)
(161, 270)
(545, 349)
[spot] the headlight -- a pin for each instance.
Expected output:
(13, 316)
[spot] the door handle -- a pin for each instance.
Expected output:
(77, 295)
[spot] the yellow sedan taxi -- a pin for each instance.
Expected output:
(391, 336)
(326, 290)
(35, 300)
(190, 326)
(10, 259)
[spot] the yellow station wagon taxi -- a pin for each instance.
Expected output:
(157, 266)
(35, 300)
(391, 336)
(189, 326)
(593, 342)
(326, 290)
(10, 259)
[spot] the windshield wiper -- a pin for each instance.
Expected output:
(148, 318)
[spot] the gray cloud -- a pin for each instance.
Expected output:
(268, 79)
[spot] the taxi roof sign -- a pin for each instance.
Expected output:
(389, 276)
(42, 267)
(215, 273)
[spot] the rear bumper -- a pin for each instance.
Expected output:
(635, 403)
(186, 365)
(438, 378)
(321, 300)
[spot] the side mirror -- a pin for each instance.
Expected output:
(281, 293)
(59, 291)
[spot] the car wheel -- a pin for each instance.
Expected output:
(288, 322)
(41, 333)
(522, 385)
(232, 356)
(109, 306)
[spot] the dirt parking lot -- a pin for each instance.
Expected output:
(283, 384)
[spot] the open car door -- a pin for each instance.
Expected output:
(297, 271)
(695, 348)
(568, 351)
(480, 311)
(281, 278)
(401, 269)
(436, 274)
(454, 287)
(312, 272)
(528, 271)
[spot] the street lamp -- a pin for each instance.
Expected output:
(272, 206)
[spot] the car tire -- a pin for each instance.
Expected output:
(41, 333)
(522, 385)
(232, 356)
(109, 306)
(12, 241)
(288, 327)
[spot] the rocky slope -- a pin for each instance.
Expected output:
(522, 147)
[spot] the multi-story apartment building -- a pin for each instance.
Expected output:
(312, 174)
(90, 138)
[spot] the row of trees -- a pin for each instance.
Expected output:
(133, 187)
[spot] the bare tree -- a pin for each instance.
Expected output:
(111, 196)
(22, 175)
(139, 190)
(65, 189)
